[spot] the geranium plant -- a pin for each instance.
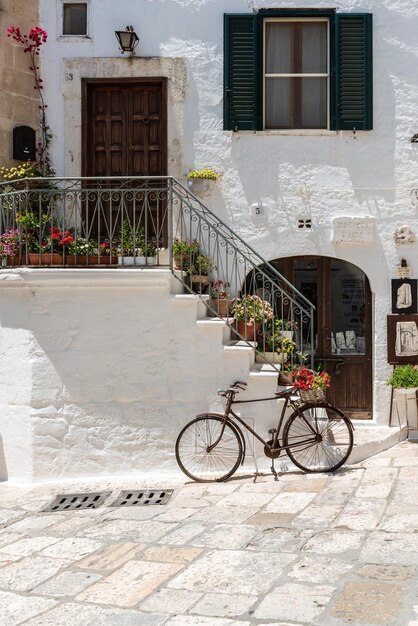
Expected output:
(205, 172)
(58, 241)
(252, 309)
(304, 378)
(219, 290)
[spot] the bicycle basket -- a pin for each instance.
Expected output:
(312, 395)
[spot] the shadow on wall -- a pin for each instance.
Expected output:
(115, 373)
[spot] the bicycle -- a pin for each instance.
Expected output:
(316, 437)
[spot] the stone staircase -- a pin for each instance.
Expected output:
(261, 379)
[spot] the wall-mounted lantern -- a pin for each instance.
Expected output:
(127, 39)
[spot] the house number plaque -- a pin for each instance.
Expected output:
(352, 229)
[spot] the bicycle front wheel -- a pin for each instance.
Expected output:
(192, 449)
(318, 438)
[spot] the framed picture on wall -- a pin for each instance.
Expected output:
(402, 339)
(404, 296)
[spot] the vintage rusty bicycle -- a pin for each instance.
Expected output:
(317, 437)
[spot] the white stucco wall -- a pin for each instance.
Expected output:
(319, 175)
(99, 372)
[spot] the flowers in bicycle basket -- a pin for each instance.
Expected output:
(307, 379)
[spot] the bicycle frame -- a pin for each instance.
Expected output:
(271, 447)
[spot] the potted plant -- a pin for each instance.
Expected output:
(147, 253)
(286, 328)
(312, 385)
(251, 312)
(404, 381)
(184, 253)
(199, 272)
(9, 247)
(201, 181)
(219, 292)
(277, 349)
(129, 243)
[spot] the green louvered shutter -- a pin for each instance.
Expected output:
(353, 72)
(241, 72)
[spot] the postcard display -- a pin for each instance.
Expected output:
(348, 313)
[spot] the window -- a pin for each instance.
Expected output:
(299, 69)
(296, 74)
(74, 18)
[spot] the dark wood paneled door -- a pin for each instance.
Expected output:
(124, 126)
(341, 294)
(125, 134)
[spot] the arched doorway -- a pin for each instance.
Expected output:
(341, 294)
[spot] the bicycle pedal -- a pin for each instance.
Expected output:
(272, 431)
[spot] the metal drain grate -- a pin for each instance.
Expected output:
(137, 498)
(77, 501)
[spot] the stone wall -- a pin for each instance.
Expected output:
(18, 104)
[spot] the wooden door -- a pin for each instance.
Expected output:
(125, 134)
(341, 294)
(124, 128)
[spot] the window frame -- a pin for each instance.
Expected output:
(79, 37)
(266, 76)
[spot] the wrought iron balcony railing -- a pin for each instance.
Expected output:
(157, 221)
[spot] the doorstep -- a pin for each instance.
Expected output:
(370, 440)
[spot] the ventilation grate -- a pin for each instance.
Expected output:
(77, 501)
(143, 498)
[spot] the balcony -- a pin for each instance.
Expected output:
(138, 223)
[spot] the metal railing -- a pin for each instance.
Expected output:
(157, 221)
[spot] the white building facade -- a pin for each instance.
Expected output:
(307, 110)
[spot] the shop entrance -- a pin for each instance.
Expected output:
(341, 294)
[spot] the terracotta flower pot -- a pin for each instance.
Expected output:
(91, 259)
(222, 306)
(45, 259)
(181, 261)
(248, 330)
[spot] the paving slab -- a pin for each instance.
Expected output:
(306, 550)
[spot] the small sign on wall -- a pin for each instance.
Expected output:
(352, 229)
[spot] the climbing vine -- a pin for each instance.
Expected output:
(32, 44)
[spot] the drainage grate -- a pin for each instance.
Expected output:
(137, 498)
(77, 501)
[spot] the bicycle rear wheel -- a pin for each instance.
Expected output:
(192, 444)
(320, 438)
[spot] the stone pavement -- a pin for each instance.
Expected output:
(309, 549)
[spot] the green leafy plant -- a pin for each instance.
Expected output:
(201, 266)
(205, 172)
(129, 239)
(252, 309)
(186, 247)
(35, 228)
(404, 377)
